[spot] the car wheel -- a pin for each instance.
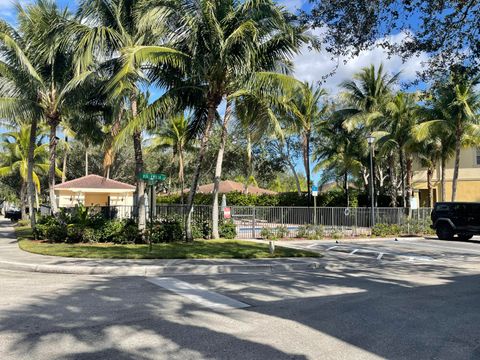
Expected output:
(464, 237)
(444, 232)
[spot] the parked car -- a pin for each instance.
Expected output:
(13, 214)
(456, 218)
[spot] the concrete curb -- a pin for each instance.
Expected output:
(155, 270)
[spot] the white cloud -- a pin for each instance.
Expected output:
(291, 5)
(312, 65)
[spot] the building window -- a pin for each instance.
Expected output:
(478, 156)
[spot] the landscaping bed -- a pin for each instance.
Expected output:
(198, 249)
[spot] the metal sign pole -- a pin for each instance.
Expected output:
(152, 190)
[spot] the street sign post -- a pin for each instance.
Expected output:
(314, 194)
(152, 179)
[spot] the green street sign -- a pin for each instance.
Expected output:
(152, 177)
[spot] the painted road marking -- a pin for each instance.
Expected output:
(379, 257)
(353, 252)
(332, 247)
(198, 294)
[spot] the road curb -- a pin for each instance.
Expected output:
(155, 270)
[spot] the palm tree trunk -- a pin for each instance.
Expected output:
(218, 169)
(23, 203)
(86, 159)
(295, 176)
(429, 186)
(345, 185)
(137, 147)
(181, 173)
(30, 183)
(456, 168)
(393, 180)
(443, 179)
(212, 108)
(306, 160)
(409, 181)
(64, 166)
(51, 171)
(402, 173)
(249, 163)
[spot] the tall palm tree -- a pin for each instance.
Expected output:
(15, 148)
(175, 135)
(224, 39)
(109, 29)
(306, 112)
(339, 152)
(365, 98)
(399, 136)
(453, 115)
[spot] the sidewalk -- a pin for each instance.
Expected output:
(12, 258)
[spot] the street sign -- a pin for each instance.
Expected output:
(152, 177)
(226, 213)
(314, 190)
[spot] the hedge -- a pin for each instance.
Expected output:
(335, 197)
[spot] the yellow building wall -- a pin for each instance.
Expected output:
(66, 198)
(468, 185)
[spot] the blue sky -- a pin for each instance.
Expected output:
(309, 65)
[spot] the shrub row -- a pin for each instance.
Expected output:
(82, 224)
(334, 197)
(411, 227)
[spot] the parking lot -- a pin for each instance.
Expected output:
(419, 300)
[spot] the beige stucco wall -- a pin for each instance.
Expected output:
(68, 198)
(468, 186)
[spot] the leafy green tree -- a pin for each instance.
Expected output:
(446, 30)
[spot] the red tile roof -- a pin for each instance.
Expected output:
(228, 186)
(94, 182)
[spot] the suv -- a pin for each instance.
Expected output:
(456, 218)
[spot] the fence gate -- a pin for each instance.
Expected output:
(244, 218)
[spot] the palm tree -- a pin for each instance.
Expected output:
(366, 97)
(403, 114)
(175, 135)
(339, 152)
(453, 117)
(15, 148)
(305, 113)
(463, 106)
(224, 39)
(109, 29)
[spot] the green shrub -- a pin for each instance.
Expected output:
(268, 233)
(311, 232)
(227, 230)
(201, 229)
(281, 231)
(130, 233)
(337, 235)
(166, 230)
(92, 235)
(112, 231)
(382, 230)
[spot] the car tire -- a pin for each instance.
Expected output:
(464, 237)
(444, 232)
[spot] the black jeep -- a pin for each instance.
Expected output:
(456, 218)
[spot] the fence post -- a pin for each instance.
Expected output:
(332, 219)
(254, 235)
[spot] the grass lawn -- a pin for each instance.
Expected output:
(199, 249)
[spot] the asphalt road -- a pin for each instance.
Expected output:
(355, 307)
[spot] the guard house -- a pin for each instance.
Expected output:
(94, 190)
